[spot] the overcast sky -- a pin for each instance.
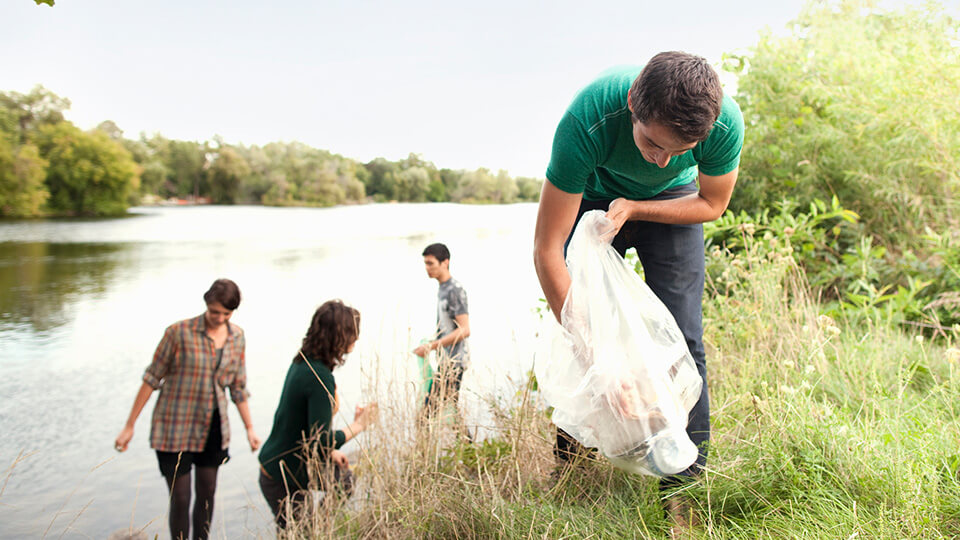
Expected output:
(466, 85)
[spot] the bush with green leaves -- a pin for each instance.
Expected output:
(857, 103)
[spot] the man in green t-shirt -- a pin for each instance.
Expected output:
(658, 148)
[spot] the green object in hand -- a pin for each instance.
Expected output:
(426, 371)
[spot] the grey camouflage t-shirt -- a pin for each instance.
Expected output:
(452, 301)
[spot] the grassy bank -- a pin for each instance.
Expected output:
(823, 427)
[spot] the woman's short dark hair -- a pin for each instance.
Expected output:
(679, 91)
(225, 292)
(334, 327)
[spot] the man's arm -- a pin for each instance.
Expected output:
(706, 205)
(555, 218)
(461, 333)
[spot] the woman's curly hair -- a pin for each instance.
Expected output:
(335, 326)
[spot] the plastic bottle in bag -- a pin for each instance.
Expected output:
(666, 452)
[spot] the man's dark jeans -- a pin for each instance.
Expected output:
(673, 266)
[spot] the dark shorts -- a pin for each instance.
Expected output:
(181, 463)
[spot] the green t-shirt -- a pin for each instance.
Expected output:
(305, 411)
(594, 152)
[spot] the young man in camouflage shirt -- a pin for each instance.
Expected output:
(453, 329)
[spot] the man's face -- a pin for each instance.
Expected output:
(217, 315)
(433, 266)
(657, 143)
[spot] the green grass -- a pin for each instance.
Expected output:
(822, 428)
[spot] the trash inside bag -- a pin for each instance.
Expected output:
(617, 372)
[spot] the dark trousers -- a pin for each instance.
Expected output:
(673, 263)
(275, 492)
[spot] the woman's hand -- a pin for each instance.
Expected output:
(365, 416)
(339, 459)
(123, 439)
(253, 439)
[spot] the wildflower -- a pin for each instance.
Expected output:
(808, 369)
(788, 364)
(825, 321)
(833, 331)
(918, 338)
(953, 355)
(805, 385)
(827, 409)
(805, 329)
(788, 231)
(840, 430)
(763, 384)
(789, 390)
(747, 228)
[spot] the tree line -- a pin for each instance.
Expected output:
(49, 166)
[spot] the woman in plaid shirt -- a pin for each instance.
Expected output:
(195, 362)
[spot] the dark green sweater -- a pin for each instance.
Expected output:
(305, 412)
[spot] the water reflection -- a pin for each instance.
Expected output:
(84, 303)
(39, 281)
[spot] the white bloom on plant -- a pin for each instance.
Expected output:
(832, 330)
(804, 385)
(788, 364)
(918, 338)
(824, 321)
(808, 369)
(805, 329)
(789, 390)
(953, 355)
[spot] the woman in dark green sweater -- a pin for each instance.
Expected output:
(302, 444)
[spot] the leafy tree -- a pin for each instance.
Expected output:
(412, 184)
(858, 103)
(185, 162)
(476, 186)
(450, 179)
(528, 189)
(381, 183)
(225, 175)
(31, 111)
(22, 170)
(111, 129)
(88, 173)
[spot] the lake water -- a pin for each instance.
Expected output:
(83, 304)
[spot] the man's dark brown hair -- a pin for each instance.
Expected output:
(679, 91)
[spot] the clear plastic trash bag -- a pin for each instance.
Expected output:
(617, 373)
